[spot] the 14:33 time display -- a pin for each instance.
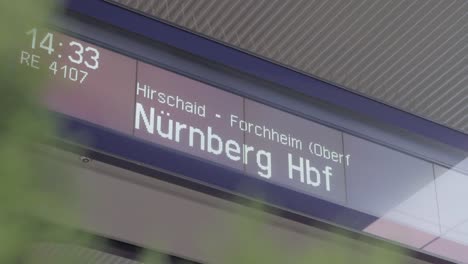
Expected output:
(67, 57)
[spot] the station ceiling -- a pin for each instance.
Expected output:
(408, 54)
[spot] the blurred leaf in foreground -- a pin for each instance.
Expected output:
(251, 237)
(23, 124)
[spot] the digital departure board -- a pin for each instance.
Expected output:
(164, 108)
(148, 102)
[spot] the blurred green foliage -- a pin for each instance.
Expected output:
(24, 203)
(252, 240)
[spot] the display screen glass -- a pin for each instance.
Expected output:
(165, 108)
(161, 107)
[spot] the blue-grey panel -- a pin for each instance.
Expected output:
(390, 184)
(452, 194)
